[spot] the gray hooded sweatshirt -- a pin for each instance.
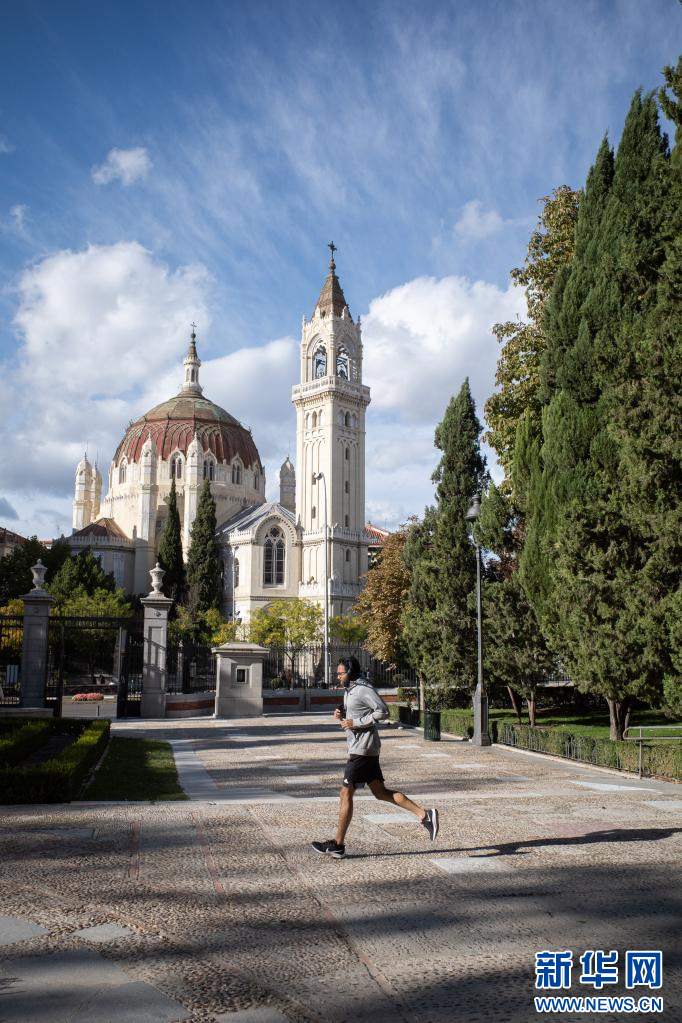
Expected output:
(362, 703)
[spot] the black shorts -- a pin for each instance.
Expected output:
(361, 771)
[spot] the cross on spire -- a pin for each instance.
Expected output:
(194, 329)
(332, 248)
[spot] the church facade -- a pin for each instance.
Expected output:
(269, 550)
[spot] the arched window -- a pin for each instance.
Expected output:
(236, 573)
(346, 419)
(176, 467)
(354, 421)
(346, 487)
(342, 364)
(348, 454)
(346, 521)
(122, 472)
(320, 419)
(313, 512)
(236, 473)
(314, 421)
(273, 558)
(320, 362)
(347, 554)
(209, 469)
(256, 481)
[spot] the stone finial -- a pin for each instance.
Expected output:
(157, 573)
(38, 571)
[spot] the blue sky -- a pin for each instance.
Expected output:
(163, 162)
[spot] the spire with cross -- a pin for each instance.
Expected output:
(332, 248)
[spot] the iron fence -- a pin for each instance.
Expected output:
(304, 668)
(190, 668)
(11, 641)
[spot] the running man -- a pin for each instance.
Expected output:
(362, 709)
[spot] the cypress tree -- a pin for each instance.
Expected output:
(203, 562)
(170, 550)
(440, 621)
(585, 562)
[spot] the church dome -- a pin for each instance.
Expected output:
(173, 424)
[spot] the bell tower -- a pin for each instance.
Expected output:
(330, 403)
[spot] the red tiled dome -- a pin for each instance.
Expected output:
(172, 426)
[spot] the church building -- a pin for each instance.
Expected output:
(269, 550)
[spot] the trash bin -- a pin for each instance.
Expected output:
(432, 725)
(404, 715)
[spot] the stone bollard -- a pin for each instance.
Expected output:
(156, 610)
(37, 606)
(239, 683)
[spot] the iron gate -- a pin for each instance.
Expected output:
(11, 640)
(87, 657)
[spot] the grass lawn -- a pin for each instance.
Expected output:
(591, 723)
(136, 769)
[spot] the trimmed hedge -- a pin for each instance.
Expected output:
(23, 740)
(659, 760)
(58, 780)
(452, 721)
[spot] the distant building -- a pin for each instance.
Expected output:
(269, 550)
(376, 537)
(9, 540)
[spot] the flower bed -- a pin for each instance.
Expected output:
(87, 697)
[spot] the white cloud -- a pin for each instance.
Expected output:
(18, 215)
(5, 146)
(423, 338)
(475, 222)
(420, 341)
(97, 328)
(124, 165)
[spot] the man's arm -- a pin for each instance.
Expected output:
(378, 711)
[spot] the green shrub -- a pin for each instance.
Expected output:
(58, 780)
(659, 760)
(16, 745)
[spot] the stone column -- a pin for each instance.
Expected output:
(37, 606)
(239, 684)
(156, 609)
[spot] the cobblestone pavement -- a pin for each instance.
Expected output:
(218, 908)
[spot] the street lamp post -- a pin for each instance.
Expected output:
(481, 736)
(316, 477)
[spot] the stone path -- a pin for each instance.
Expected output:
(218, 909)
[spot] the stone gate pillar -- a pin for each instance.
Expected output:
(239, 684)
(156, 610)
(37, 606)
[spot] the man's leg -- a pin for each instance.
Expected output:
(345, 813)
(379, 791)
(428, 818)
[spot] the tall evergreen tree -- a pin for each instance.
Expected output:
(550, 249)
(203, 561)
(587, 562)
(170, 551)
(516, 655)
(439, 623)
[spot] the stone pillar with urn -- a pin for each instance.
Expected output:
(37, 606)
(156, 611)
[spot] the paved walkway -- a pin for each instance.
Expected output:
(217, 909)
